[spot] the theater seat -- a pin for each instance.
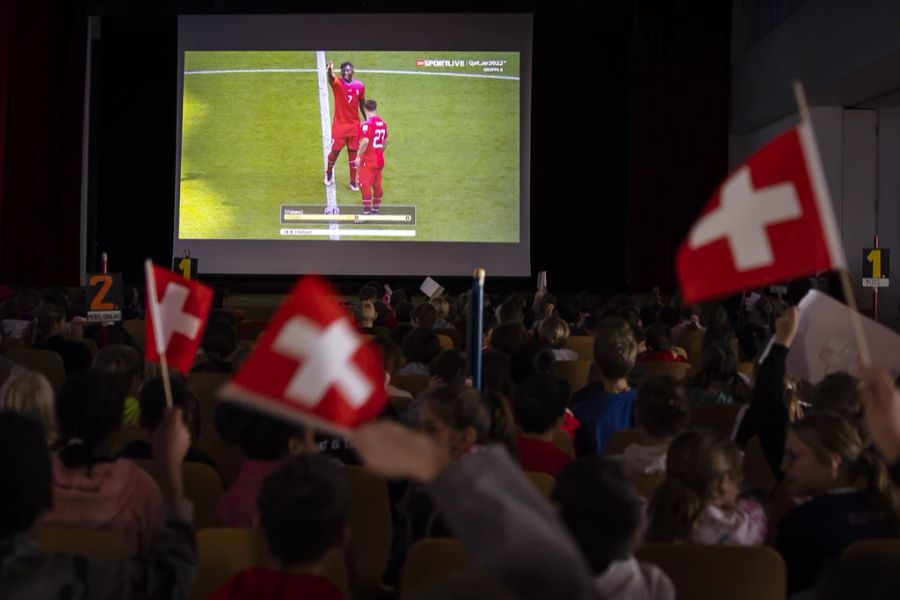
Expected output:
(87, 542)
(646, 483)
(757, 472)
(889, 547)
(718, 418)
(562, 441)
(573, 372)
(624, 438)
(46, 362)
(136, 328)
(411, 383)
(714, 572)
(429, 562)
(371, 528)
(542, 481)
(202, 486)
(678, 370)
(583, 345)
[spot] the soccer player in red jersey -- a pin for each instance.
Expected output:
(349, 97)
(372, 141)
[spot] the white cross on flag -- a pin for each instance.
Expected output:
(770, 221)
(312, 366)
(183, 310)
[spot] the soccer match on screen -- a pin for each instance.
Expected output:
(350, 145)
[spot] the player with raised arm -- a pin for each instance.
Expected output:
(349, 97)
(372, 142)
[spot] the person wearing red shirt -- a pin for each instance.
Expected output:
(539, 407)
(349, 97)
(373, 137)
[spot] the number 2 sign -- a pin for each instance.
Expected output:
(104, 297)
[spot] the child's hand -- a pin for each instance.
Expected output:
(171, 440)
(397, 451)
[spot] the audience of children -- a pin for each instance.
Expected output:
(554, 332)
(127, 364)
(29, 393)
(540, 403)
(659, 346)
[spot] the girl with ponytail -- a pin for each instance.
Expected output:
(90, 488)
(846, 492)
(460, 421)
(699, 501)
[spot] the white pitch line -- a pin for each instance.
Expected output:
(330, 193)
(382, 71)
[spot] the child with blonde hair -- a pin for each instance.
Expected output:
(29, 393)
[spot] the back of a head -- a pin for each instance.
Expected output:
(659, 337)
(447, 365)
(220, 340)
(663, 408)
(424, 315)
(511, 311)
(49, 318)
(365, 313)
(540, 402)
(25, 473)
(554, 331)
(460, 407)
(615, 349)
(403, 311)
(29, 393)
(303, 509)
(507, 337)
(260, 436)
(838, 393)
(421, 345)
(89, 410)
(398, 297)
(390, 353)
(153, 402)
(367, 293)
(441, 306)
(695, 463)
(717, 363)
(125, 363)
(600, 507)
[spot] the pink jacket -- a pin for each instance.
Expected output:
(237, 506)
(115, 496)
(745, 524)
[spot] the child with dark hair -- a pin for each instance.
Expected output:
(91, 489)
(663, 412)
(606, 406)
(507, 337)
(420, 347)
(424, 315)
(446, 367)
(302, 508)
(127, 365)
(718, 380)
(604, 513)
(511, 311)
(266, 441)
(540, 404)
(220, 342)
(26, 471)
(153, 408)
(699, 501)
(659, 346)
(50, 331)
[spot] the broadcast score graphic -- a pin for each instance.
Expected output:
(257, 138)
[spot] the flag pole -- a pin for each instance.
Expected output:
(850, 299)
(476, 315)
(153, 301)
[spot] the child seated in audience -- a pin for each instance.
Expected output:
(700, 501)
(26, 472)
(606, 406)
(50, 331)
(460, 421)
(663, 412)
(844, 495)
(365, 315)
(446, 367)
(659, 346)
(420, 347)
(507, 337)
(127, 365)
(392, 358)
(220, 343)
(153, 407)
(90, 488)
(442, 310)
(554, 332)
(718, 380)
(29, 393)
(604, 514)
(266, 441)
(540, 402)
(302, 511)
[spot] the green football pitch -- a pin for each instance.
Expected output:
(252, 142)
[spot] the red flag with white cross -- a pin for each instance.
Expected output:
(311, 365)
(183, 309)
(770, 221)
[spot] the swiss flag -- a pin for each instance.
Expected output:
(311, 365)
(183, 310)
(770, 221)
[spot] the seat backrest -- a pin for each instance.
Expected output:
(136, 328)
(889, 547)
(46, 362)
(411, 383)
(748, 369)
(562, 441)
(430, 561)
(205, 386)
(573, 372)
(8, 343)
(646, 483)
(692, 341)
(718, 418)
(87, 542)
(713, 572)
(757, 472)
(446, 341)
(454, 335)
(224, 552)
(371, 528)
(202, 486)
(542, 481)
(583, 345)
(678, 370)
(624, 438)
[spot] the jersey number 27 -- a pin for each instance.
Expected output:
(378, 141)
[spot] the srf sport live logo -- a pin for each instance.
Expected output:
(489, 66)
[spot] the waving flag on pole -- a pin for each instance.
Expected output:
(176, 317)
(770, 221)
(312, 366)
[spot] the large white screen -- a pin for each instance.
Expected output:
(258, 120)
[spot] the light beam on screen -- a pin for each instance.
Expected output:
(442, 184)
